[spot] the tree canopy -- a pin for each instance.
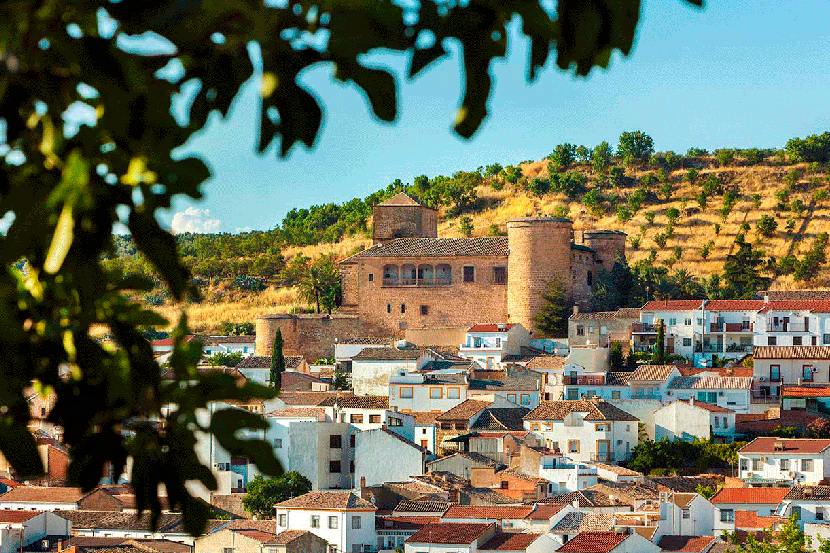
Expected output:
(264, 493)
(65, 185)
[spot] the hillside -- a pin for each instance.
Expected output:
(637, 198)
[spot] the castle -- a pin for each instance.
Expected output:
(410, 279)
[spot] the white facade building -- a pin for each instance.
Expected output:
(784, 460)
(341, 518)
(489, 344)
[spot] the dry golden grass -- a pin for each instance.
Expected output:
(342, 249)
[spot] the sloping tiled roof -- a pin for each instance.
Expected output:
(490, 246)
(747, 423)
(403, 199)
(751, 496)
(597, 411)
(711, 382)
(585, 498)
(711, 407)
(514, 378)
(546, 362)
(597, 522)
(805, 391)
(42, 494)
(287, 536)
(258, 535)
(749, 520)
(460, 533)
(683, 483)
(815, 306)
(11, 516)
(690, 544)
(790, 445)
(367, 340)
(672, 305)
(489, 512)
(388, 354)
(511, 541)
(794, 295)
(421, 506)
(622, 471)
(628, 313)
(651, 373)
(357, 402)
(464, 410)
(543, 511)
(683, 500)
(424, 418)
(593, 542)
(491, 327)
(618, 378)
(114, 520)
(595, 316)
(317, 413)
(310, 399)
(501, 418)
(809, 492)
(791, 352)
(326, 500)
(569, 523)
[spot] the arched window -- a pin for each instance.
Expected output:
(426, 275)
(443, 275)
(408, 275)
(390, 275)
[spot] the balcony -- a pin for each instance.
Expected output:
(709, 348)
(643, 348)
(417, 282)
(730, 327)
(786, 326)
(583, 380)
(739, 348)
(601, 457)
(643, 328)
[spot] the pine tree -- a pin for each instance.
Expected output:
(742, 271)
(277, 360)
(552, 320)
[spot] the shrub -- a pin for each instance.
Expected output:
(717, 228)
(636, 199)
(593, 201)
(691, 175)
(712, 186)
(702, 200)
(248, 283)
(493, 169)
(752, 156)
(617, 177)
(797, 205)
(787, 264)
(571, 184)
(650, 217)
(820, 195)
(495, 230)
(623, 214)
(678, 251)
(511, 174)
(561, 211)
(791, 178)
(672, 214)
(756, 201)
(783, 197)
(538, 186)
(704, 251)
(790, 226)
(669, 232)
(562, 157)
(583, 154)
(766, 226)
(635, 241)
(666, 190)
(635, 144)
(601, 157)
(697, 152)
(649, 180)
(465, 226)
(725, 157)
(660, 240)
(813, 148)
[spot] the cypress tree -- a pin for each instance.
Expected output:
(277, 360)
(660, 349)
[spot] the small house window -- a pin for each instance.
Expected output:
(796, 340)
(406, 393)
(499, 275)
(335, 441)
(573, 446)
(453, 393)
(394, 421)
(333, 523)
(374, 419)
(436, 393)
(283, 520)
(687, 342)
(469, 273)
(334, 466)
(356, 418)
(825, 339)
(356, 523)
(351, 440)
(807, 465)
(278, 443)
(424, 310)
(580, 330)
(371, 277)
(772, 341)
(315, 521)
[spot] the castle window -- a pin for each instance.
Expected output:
(469, 273)
(424, 310)
(403, 308)
(388, 307)
(499, 275)
(371, 277)
(443, 275)
(590, 278)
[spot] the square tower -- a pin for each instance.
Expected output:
(403, 216)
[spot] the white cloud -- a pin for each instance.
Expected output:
(195, 220)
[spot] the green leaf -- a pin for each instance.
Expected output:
(18, 447)
(61, 241)
(378, 84)
(225, 423)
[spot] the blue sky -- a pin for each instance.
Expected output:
(735, 74)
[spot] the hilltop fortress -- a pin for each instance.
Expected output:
(410, 279)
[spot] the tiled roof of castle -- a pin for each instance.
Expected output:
(403, 199)
(489, 246)
(510, 541)
(593, 542)
(686, 544)
(711, 382)
(790, 445)
(388, 354)
(357, 402)
(791, 352)
(651, 373)
(326, 500)
(597, 411)
(460, 533)
(220, 340)
(750, 495)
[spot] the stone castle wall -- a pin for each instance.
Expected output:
(404, 221)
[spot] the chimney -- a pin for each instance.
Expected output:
(576, 309)
(455, 496)
(576, 504)
(766, 298)
(365, 493)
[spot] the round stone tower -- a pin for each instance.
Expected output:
(607, 243)
(540, 251)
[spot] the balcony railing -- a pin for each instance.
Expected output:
(601, 457)
(738, 348)
(788, 326)
(425, 282)
(643, 328)
(583, 381)
(730, 327)
(643, 348)
(709, 348)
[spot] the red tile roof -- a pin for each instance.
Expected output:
(464, 410)
(450, 533)
(791, 352)
(287, 536)
(750, 496)
(749, 520)
(489, 512)
(510, 542)
(257, 535)
(734, 305)
(41, 494)
(692, 544)
(7, 515)
(672, 305)
(544, 511)
(806, 391)
(593, 542)
(816, 306)
(321, 500)
(791, 445)
(491, 327)
(708, 406)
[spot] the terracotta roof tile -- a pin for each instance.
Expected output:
(745, 423)
(449, 533)
(652, 373)
(805, 391)
(388, 354)
(491, 327)
(686, 484)
(597, 411)
(672, 305)
(510, 542)
(424, 418)
(543, 511)
(501, 418)
(287, 536)
(791, 352)
(317, 413)
(421, 506)
(464, 410)
(690, 544)
(585, 498)
(42, 494)
(262, 362)
(711, 382)
(593, 542)
(309, 399)
(809, 492)
(490, 246)
(489, 512)
(790, 295)
(814, 306)
(357, 402)
(683, 500)
(546, 362)
(595, 316)
(404, 522)
(7, 515)
(750, 496)
(403, 199)
(113, 520)
(749, 520)
(617, 378)
(327, 500)
(622, 471)
(258, 535)
(597, 522)
(708, 406)
(790, 445)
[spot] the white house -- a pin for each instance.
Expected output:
(373, 366)
(609, 542)
(384, 456)
(617, 474)
(784, 460)
(731, 392)
(652, 381)
(685, 514)
(427, 391)
(489, 344)
(565, 475)
(793, 323)
(774, 366)
(690, 420)
(764, 501)
(809, 504)
(610, 385)
(584, 430)
(19, 529)
(370, 413)
(41, 498)
(341, 518)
